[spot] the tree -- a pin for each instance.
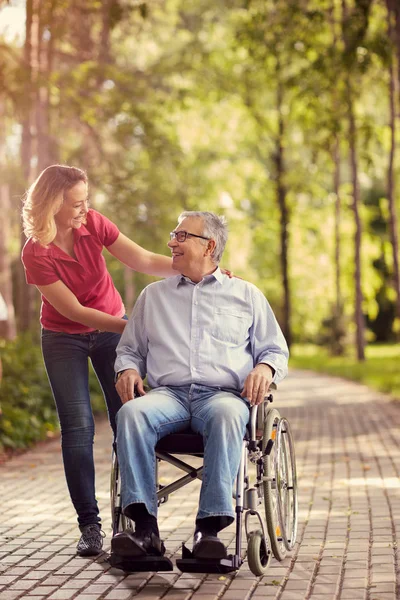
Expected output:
(393, 221)
(355, 25)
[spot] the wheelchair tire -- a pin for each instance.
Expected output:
(270, 485)
(123, 522)
(258, 555)
(286, 476)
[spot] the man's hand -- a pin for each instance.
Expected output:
(126, 384)
(257, 384)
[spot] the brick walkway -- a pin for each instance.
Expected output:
(347, 444)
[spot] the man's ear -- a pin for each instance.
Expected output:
(210, 247)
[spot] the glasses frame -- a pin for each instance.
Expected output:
(174, 236)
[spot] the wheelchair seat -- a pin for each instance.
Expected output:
(183, 442)
(189, 442)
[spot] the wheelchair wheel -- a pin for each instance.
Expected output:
(258, 555)
(286, 477)
(118, 521)
(271, 491)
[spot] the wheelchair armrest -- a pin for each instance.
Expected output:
(258, 413)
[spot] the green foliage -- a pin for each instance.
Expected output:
(27, 410)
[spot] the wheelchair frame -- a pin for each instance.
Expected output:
(268, 446)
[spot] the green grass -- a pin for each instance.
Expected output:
(380, 370)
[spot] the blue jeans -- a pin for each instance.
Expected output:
(66, 359)
(219, 416)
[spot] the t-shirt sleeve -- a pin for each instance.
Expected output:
(39, 270)
(106, 230)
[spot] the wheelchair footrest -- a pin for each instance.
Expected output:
(189, 564)
(140, 563)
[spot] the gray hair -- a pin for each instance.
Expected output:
(215, 228)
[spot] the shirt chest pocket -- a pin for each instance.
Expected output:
(230, 326)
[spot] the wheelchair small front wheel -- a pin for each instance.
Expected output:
(258, 554)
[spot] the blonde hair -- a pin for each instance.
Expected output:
(44, 199)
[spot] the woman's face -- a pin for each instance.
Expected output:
(74, 209)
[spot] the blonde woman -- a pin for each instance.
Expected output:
(82, 317)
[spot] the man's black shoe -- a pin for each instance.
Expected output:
(91, 542)
(208, 546)
(126, 544)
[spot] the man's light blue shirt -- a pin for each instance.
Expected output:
(211, 333)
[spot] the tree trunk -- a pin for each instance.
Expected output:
(393, 227)
(336, 176)
(104, 49)
(26, 143)
(284, 216)
(25, 296)
(42, 73)
(338, 210)
(358, 312)
(7, 327)
(350, 45)
(393, 7)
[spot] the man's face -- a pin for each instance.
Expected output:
(189, 256)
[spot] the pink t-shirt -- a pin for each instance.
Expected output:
(86, 276)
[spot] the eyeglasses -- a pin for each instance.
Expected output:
(181, 236)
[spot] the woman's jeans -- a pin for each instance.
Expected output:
(219, 416)
(66, 360)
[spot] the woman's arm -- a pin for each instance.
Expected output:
(139, 259)
(67, 304)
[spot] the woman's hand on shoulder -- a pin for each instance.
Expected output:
(230, 273)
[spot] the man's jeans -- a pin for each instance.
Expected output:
(220, 416)
(66, 360)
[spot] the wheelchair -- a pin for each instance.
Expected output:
(265, 493)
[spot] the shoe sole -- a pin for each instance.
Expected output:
(124, 546)
(88, 552)
(210, 549)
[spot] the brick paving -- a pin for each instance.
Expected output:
(348, 457)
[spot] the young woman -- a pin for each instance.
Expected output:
(82, 317)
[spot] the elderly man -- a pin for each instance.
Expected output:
(210, 346)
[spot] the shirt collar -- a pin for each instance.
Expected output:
(215, 275)
(53, 250)
(81, 232)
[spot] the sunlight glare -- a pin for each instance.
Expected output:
(12, 22)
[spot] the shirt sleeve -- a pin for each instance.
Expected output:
(39, 270)
(267, 340)
(133, 345)
(106, 230)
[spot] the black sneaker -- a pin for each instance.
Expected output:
(91, 542)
